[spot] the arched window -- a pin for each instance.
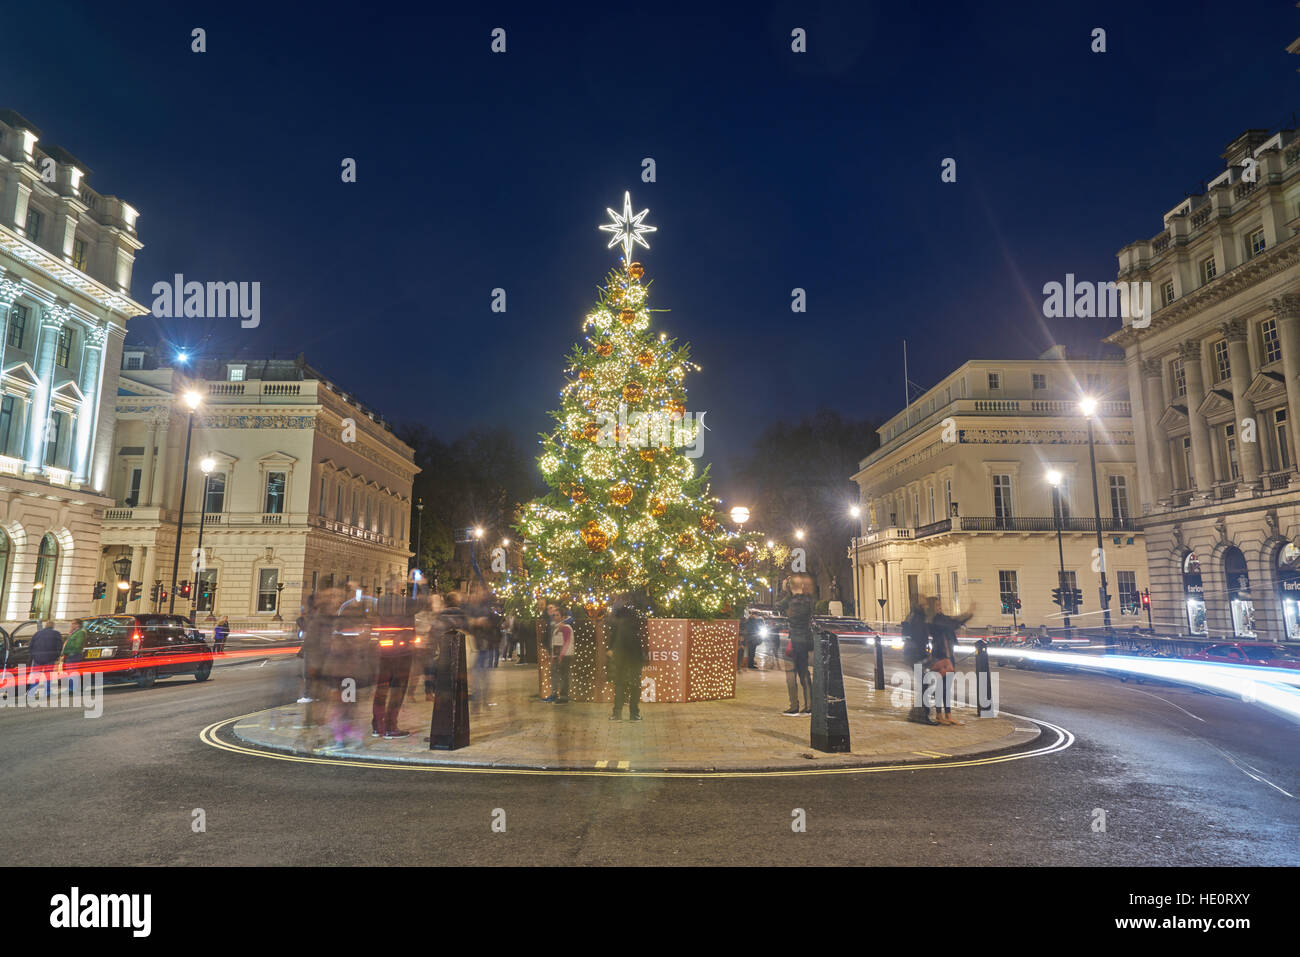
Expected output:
(1240, 601)
(1194, 595)
(43, 587)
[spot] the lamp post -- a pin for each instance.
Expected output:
(855, 512)
(192, 399)
(419, 528)
(1054, 479)
(206, 465)
(122, 568)
(1088, 406)
(771, 574)
(740, 515)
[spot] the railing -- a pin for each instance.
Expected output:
(118, 514)
(271, 518)
(1276, 480)
(990, 523)
(934, 528)
(1243, 190)
(1292, 156)
(1225, 490)
(225, 388)
(213, 518)
(1201, 217)
(1161, 243)
(282, 388)
(11, 466)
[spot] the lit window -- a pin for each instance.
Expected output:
(79, 254)
(1180, 378)
(1040, 382)
(1255, 243)
(1209, 269)
(1167, 292)
(1222, 367)
(236, 374)
(1272, 344)
(995, 381)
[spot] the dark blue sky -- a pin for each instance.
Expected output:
(775, 170)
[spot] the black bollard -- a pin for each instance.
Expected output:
(449, 729)
(830, 716)
(982, 670)
(880, 666)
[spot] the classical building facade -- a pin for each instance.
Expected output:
(956, 501)
(306, 488)
(1215, 381)
(66, 255)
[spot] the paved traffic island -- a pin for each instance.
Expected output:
(511, 727)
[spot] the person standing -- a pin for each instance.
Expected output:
(46, 646)
(943, 654)
(916, 639)
(798, 610)
(72, 653)
(624, 638)
(220, 634)
(394, 656)
(508, 637)
(561, 650)
(750, 631)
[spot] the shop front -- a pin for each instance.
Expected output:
(1288, 588)
(1194, 595)
(1240, 602)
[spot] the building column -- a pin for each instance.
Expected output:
(1287, 310)
(1248, 457)
(148, 573)
(1202, 470)
(1161, 481)
(157, 494)
(39, 417)
(91, 369)
(9, 291)
(146, 468)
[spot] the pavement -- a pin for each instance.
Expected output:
(511, 727)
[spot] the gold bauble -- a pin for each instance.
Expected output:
(647, 455)
(708, 523)
(677, 408)
(633, 392)
(657, 507)
(594, 536)
(646, 359)
(591, 431)
(744, 555)
(604, 349)
(636, 270)
(621, 494)
(627, 317)
(585, 374)
(685, 540)
(578, 494)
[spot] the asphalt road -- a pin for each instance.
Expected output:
(1183, 778)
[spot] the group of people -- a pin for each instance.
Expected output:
(51, 654)
(794, 654)
(624, 649)
(930, 646)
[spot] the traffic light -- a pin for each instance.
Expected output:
(153, 592)
(1077, 599)
(1017, 604)
(184, 589)
(162, 595)
(1146, 598)
(136, 588)
(101, 589)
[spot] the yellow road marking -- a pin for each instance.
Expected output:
(208, 736)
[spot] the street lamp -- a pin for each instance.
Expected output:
(206, 465)
(419, 528)
(1054, 480)
(122, 568)
(1088, 406)
(192, 400)
(740, 515)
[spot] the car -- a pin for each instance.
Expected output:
(844, 628)
(1258, 653)
(143, 648)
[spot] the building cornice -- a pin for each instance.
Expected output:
(50, 265)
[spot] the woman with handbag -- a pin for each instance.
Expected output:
(943, 653)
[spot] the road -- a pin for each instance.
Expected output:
(1183, 778)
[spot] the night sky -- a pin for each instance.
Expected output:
(774, 170)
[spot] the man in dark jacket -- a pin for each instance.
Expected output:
(916, 638)
(623, 636)
(751, 632)
(46, 646)
(943, 654)
(798, 609)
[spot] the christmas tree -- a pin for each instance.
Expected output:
(627, 508)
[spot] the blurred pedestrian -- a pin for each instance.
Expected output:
(916, 640)
(561, 645)
(45, 649)
(508, 637)
(220, 634)
(750, 635)
(623, 640)
(347, 666)
(943, 655)
(798, 610)
(317, 644)
(72, 653)
(395, 631)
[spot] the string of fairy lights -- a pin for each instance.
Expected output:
(627, 508)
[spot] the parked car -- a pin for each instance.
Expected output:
(144, 648)
(14, 645)
(1258, 653)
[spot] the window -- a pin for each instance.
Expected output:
(1208, 269)
(1230, 438)
(236, 374)
(133, 488)
(356, 508)
(1255, 243)
(1002, 499)
(64, 350)
(995, 381)
(215, 502)
(369, 501)
(1119, 498)
(79, 254)
(1187, 461)
(338, 503)
(1167, 292)
(324, 491)
(1130, 603)
(135, 360)
(1040, 382)
(930, 489)
(947, 495)
(43, 585)
(1272, 344)
(33, 228)
(953, 592)
(6, 423)
(1180, 377)
(1283, 446)
(17, 325)
(1071, 580)
(916, 508)
(1008, 592)
(267, 579)
(54, 437)
(275, 483)
(1061, 503)
(1222, 367)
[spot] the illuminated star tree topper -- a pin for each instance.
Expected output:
(627, 228)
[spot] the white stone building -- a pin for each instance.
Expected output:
(307, 488)
(956, 502)
(66, 255)
(1215, 380)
